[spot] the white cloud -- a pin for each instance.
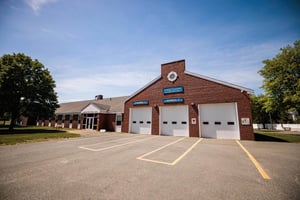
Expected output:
(108, 84)
(236, 65)
(36, 5)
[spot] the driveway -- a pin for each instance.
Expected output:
(128, 166)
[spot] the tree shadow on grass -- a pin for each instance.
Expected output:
(266, 138)
(29, 131)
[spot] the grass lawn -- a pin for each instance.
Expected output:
(275, 136)
(32, 134)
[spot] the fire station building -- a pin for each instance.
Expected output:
(182, 103)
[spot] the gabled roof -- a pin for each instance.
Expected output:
(141, 89)
(249, 91)
(112, 105)
(116, 103)
(72, 107)
(95, 108)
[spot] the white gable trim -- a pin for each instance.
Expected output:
(91, 108)
(143, 88)
(249, 91)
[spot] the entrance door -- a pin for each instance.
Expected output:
(118, 122)
(89, 122)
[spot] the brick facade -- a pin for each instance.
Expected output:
(75, 121)
(196, 91)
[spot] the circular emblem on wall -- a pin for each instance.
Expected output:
(172, 76)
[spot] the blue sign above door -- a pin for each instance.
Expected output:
(173, 100)
(144, 102)
(172, 90)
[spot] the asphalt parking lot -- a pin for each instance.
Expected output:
(128, 166)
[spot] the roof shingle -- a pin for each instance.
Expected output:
(114, 104)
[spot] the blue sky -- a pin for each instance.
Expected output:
(114, 47)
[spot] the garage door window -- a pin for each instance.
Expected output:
(230, 123)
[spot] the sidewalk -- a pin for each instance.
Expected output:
(85, 132)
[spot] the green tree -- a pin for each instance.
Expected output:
(259, 115)
(26, 88)
(282, 81)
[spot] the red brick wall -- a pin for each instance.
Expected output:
(67, 121)
(24, 120)
(101, 121)
(46, 122)
(52, 122)
(197, 91)
(81, 121)
(110, 122)
(40, 122)
(107, 122)
(75, 121)
(244, 111)
(59, 120)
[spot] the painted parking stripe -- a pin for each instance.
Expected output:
(105, 135)
(110, 141)
(114, 146)
(254, 161)
(72, 140)
(168, 163)
(151, 152)
(186, 152)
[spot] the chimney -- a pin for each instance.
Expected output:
(98, 97)
(176, 66)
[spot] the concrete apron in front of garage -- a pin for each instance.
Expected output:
(117, 166)
(212, 163)
(172, 152)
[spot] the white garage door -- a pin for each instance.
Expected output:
(140, 120)
(219, 121)
(174, 120)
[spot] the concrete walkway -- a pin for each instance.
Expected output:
(86, 132)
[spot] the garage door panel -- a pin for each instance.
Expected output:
(140, 119)
(226, 134)
(174, 120)
(219, 121)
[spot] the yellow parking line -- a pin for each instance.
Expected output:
(114, 146)
(168, 163)
(254, 161)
